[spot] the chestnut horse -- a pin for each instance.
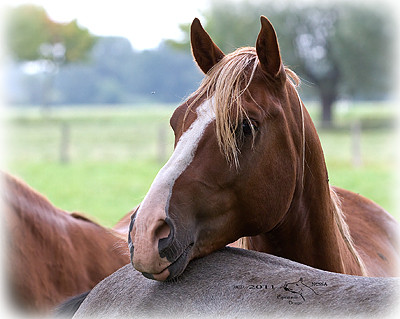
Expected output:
(248, 163)
(51, 254)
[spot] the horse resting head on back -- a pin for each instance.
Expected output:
(248, 162)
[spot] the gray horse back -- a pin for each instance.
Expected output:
(235, 283)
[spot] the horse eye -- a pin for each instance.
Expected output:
(248, 127)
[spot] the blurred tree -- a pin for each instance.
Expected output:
(118, 74)
(342, 50)
(31, 35)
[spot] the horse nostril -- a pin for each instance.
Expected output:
(166, 233)
(162, 231)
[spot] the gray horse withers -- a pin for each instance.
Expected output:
(240, 283)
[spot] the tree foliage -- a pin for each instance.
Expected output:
(118, 74)
(31, 35)
(114, 73)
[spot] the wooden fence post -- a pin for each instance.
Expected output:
(64, 143)
(356, 155)
(162, 144)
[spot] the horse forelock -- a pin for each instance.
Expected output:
(226, 83)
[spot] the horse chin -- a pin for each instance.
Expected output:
(175, 269)
(162, 276)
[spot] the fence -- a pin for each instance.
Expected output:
(114, 141)
(160, 145)
(146, 136)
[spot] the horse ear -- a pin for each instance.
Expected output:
(205, 51)
(268, 49)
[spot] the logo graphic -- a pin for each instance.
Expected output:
(298, 288)
(294, 292)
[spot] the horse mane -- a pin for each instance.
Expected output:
(344, 230)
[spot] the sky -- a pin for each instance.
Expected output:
(145, 24)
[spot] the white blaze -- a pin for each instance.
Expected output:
(160, 190)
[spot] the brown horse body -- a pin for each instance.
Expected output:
(248, 163)
(51, 254)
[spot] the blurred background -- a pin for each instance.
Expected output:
(89, 90)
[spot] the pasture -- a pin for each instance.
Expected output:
(102, 160)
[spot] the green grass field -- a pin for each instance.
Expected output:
(114, 154)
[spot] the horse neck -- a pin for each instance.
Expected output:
(55, 229)
(313, 230)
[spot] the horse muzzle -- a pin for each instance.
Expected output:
(154, 250)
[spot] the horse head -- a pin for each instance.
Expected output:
(238, 154)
